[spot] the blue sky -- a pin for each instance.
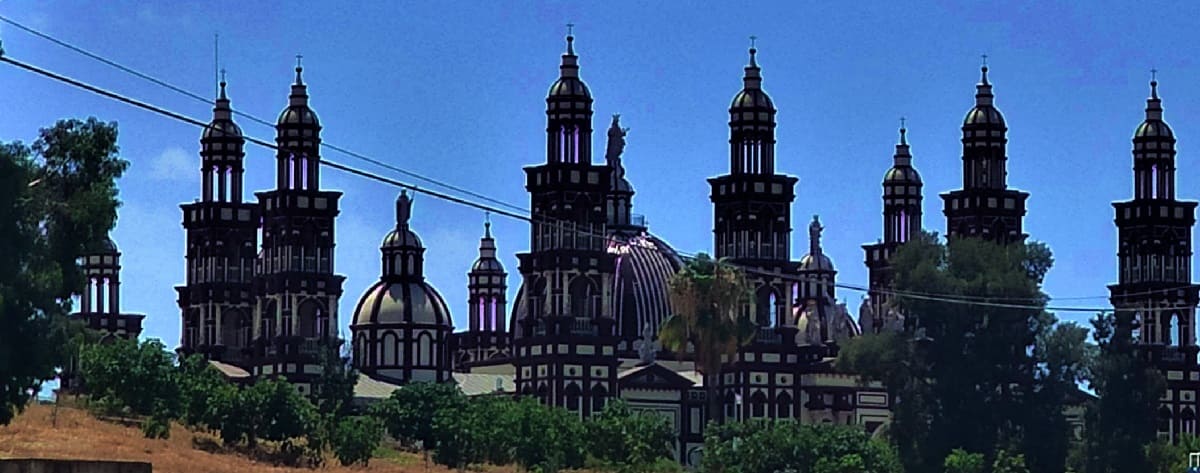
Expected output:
(456, 91)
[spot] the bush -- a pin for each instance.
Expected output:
(137, 378)
(767, 446)
(623, 438)
(409, 413)
(355, 438)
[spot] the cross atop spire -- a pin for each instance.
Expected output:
(299, 68)
(570, 39)
(222, 84)
(1154, 83)
(903, 141)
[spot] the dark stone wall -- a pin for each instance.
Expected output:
(33, 465)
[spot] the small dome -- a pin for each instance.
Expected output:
(105, 247)
(221, 129)
(401, 237)
(902, 175)
(819, 262)
(569, 87)
(299, 115)
(487, 264)
(1153, 129)
(402, 303)
(751, 98)
(984, 115)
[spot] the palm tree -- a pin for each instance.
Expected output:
(708, 296)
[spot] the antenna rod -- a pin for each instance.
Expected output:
(216, 63)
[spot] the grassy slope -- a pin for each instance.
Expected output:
(77, 435)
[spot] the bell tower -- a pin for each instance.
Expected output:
(901, 222)
(1155, 296)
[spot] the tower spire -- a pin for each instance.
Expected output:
(1154, 109)
(983, 90)
(902, 156)
(753, 77)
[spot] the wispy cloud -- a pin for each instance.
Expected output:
(173, 164)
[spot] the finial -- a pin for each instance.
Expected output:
(903, 141)
(753, 51)
(299, 68)
(1154, 83)
(222, 84)
(403, 208)
(487, 224)
(571, 39)
(984, 70)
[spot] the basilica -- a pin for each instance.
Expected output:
(261, 290)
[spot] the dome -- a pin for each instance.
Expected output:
(818, 262)
(487, 264)
(569, 87)
(221, 129)
(984, 115)
(902, 174)
(645, 265)
(106, 247)
(402, 303)
(401, 237)
(1153, 129)
(752, 98)
(301, 115)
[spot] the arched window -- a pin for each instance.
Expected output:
(783, 406)
(390, 345)
(573, 395)
(310, 311)
(599, 397)
(1187, 421)
(1172, 328)
(585, 297)
(1164, 420)
(425, 350)
(231, 327)
(758, 404)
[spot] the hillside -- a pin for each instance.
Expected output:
(77, 435)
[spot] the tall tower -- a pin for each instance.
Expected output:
(752, 214)
(217, 301)
(985, 207)
(297, 291)
(486, 337)
(566, 342)
(901, 222)
(100, 303)
(1155, 292)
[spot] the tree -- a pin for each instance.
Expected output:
(769, 446)
(137, 378)
(409, 413)
(708, 297)
(1166, 457)
(547, 438)
(333, 390)
(959, 461)
(628, 439)
(1121, 422)
(57, 198)
(201, 390)
(994, 372)
(355, 439)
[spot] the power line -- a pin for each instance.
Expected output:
(252, 117)
(462, 201)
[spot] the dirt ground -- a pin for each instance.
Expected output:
(74, 434)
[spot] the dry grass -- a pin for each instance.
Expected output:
(78, 435)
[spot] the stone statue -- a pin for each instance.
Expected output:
(810, 326)
(894, 321)
(866, 316)
(841, 325)
(616, 145)
(647, 348)
(814, 235)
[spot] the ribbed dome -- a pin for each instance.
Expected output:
(902, 175)
(487, 261)
(818, 262)
(401, 237)
(1153, 129)
(106, 247)
(402, 302)
(645, 265)
(987, 115)
(752, 103)
(222, 125)
(569, 87)
(222, 129)
(755, 98)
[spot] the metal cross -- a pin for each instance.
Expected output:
(222, 74)
(298, 58)
(902, 119)
(985, 60)
(752, 40)
(570, 29)
(1154, 74)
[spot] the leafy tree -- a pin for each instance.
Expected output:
(456, 435)
(138, 378)
(333, 391)
(57, 198)
(409, 413)
(708, 296)
(628, 439)
(356, 438)
(1008, 462)
(959, 461)
(201, 389)
(547, 438)
(975, 376)
(494, 419)
(769, 446)
(1166, 457)
(1122, 421)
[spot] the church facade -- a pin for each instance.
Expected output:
(261, 293)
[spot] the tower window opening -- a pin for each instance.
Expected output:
(1172, 328)
(495, 313)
